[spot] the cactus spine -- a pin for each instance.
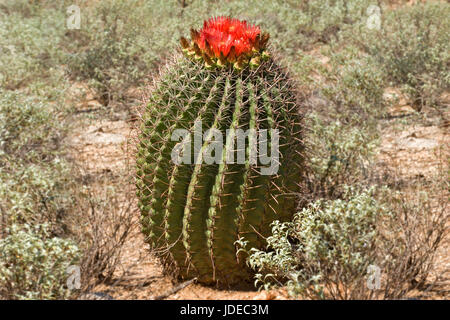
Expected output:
(192, 213)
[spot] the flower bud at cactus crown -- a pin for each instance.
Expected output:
(226, 42)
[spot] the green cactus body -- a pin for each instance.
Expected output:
(193, 213)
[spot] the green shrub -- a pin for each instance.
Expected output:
(28, 126)
(343, 135)
(121, 43)
(342, 155)
(38, 184)
(353, 87)
(328, 243)
(30, 47)
(412, 48)
(34, 178)
(32, 193)
(33, 264)
(372, 244)
(114, 58)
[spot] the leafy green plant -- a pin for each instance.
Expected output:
(412, 48)
(30, 49)
(342, 135)
(342, 155)
(370, 244)
(328, 245)
(33, 264)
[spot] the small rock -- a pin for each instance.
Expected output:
(418, 143)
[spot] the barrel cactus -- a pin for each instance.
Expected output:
(227, 187)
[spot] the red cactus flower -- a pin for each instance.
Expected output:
(220, 34)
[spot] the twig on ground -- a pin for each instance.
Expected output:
(175, 289)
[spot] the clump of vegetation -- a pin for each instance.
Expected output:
(115, 57)
(412, 48)
(31, 50)
(342, 135)
(34, 196)
(366, 245)
(41, 231)
(33, 263)
(328, 245)
(29, 125)
(341, 156)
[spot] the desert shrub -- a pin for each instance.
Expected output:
(114, 58)
(92, 216)
(332, 248)
(29, 47)
(34, 194)
(39, 187)
(120, 43)
(328, 244)
(28, 126)
(412, 48)
(342, 134)
(71, 207)
(353, 87)
(33, 174)
(340, 154)
(33, 264)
